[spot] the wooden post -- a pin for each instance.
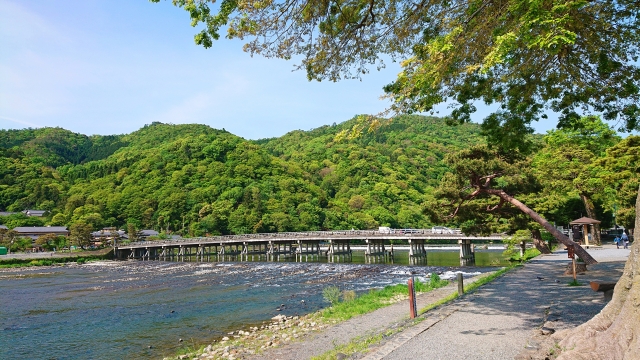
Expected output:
(572, 255)
(585, 232)
(412, 299)
(460, 284)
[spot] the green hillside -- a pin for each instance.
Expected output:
(208, 181)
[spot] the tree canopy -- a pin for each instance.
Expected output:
(573, 57)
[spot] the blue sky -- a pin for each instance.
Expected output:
(112, 66)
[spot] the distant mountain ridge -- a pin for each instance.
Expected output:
(209, 181)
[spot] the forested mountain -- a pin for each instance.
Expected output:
(203, 180)
(380, 177)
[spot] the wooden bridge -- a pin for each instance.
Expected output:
(301, 246)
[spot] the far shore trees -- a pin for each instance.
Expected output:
(80, 234)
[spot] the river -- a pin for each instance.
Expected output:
(135, 309)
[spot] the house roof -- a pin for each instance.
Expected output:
(34, 212)
(4, 227)
(6, 213)
(148, 233)
(40, 229)
(106, 233)
(585, 221)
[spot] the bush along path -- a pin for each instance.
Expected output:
(346, 327)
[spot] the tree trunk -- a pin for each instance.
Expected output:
(613, 333)
(591, 212)
(540, 244)
(582, 253)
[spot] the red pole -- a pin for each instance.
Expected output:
(412, 299)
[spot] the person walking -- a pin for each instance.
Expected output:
(625, 240)
(616, 240)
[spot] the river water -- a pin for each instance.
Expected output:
(135, 309)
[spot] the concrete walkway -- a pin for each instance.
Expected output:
(499, 319)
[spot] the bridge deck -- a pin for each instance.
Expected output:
(318, 236)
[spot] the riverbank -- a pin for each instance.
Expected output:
(52, 258)
(509, 317)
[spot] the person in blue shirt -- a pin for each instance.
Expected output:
(616, 240)
(625, 239)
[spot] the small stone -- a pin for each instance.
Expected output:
(182, 357)
(225, 339)
(179, 340)
(547, 331)
(532, 345)
(340, 356)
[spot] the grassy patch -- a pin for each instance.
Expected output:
(356, 345)
(528, 254)
(377, 298)
(575, 283)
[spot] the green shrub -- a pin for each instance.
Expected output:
(513, 243)
(435, 281)
(348, 295)
(331, 295)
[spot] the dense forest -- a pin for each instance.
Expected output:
(197, 180)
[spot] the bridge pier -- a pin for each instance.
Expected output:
(417, 252)
(339, 250)
(254, 249)
(375, 251)
(232, 253)
(306, 248)
(279, 248)
(467, 252)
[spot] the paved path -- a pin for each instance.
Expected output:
(497, 321)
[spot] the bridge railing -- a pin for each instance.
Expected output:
(299, 235)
